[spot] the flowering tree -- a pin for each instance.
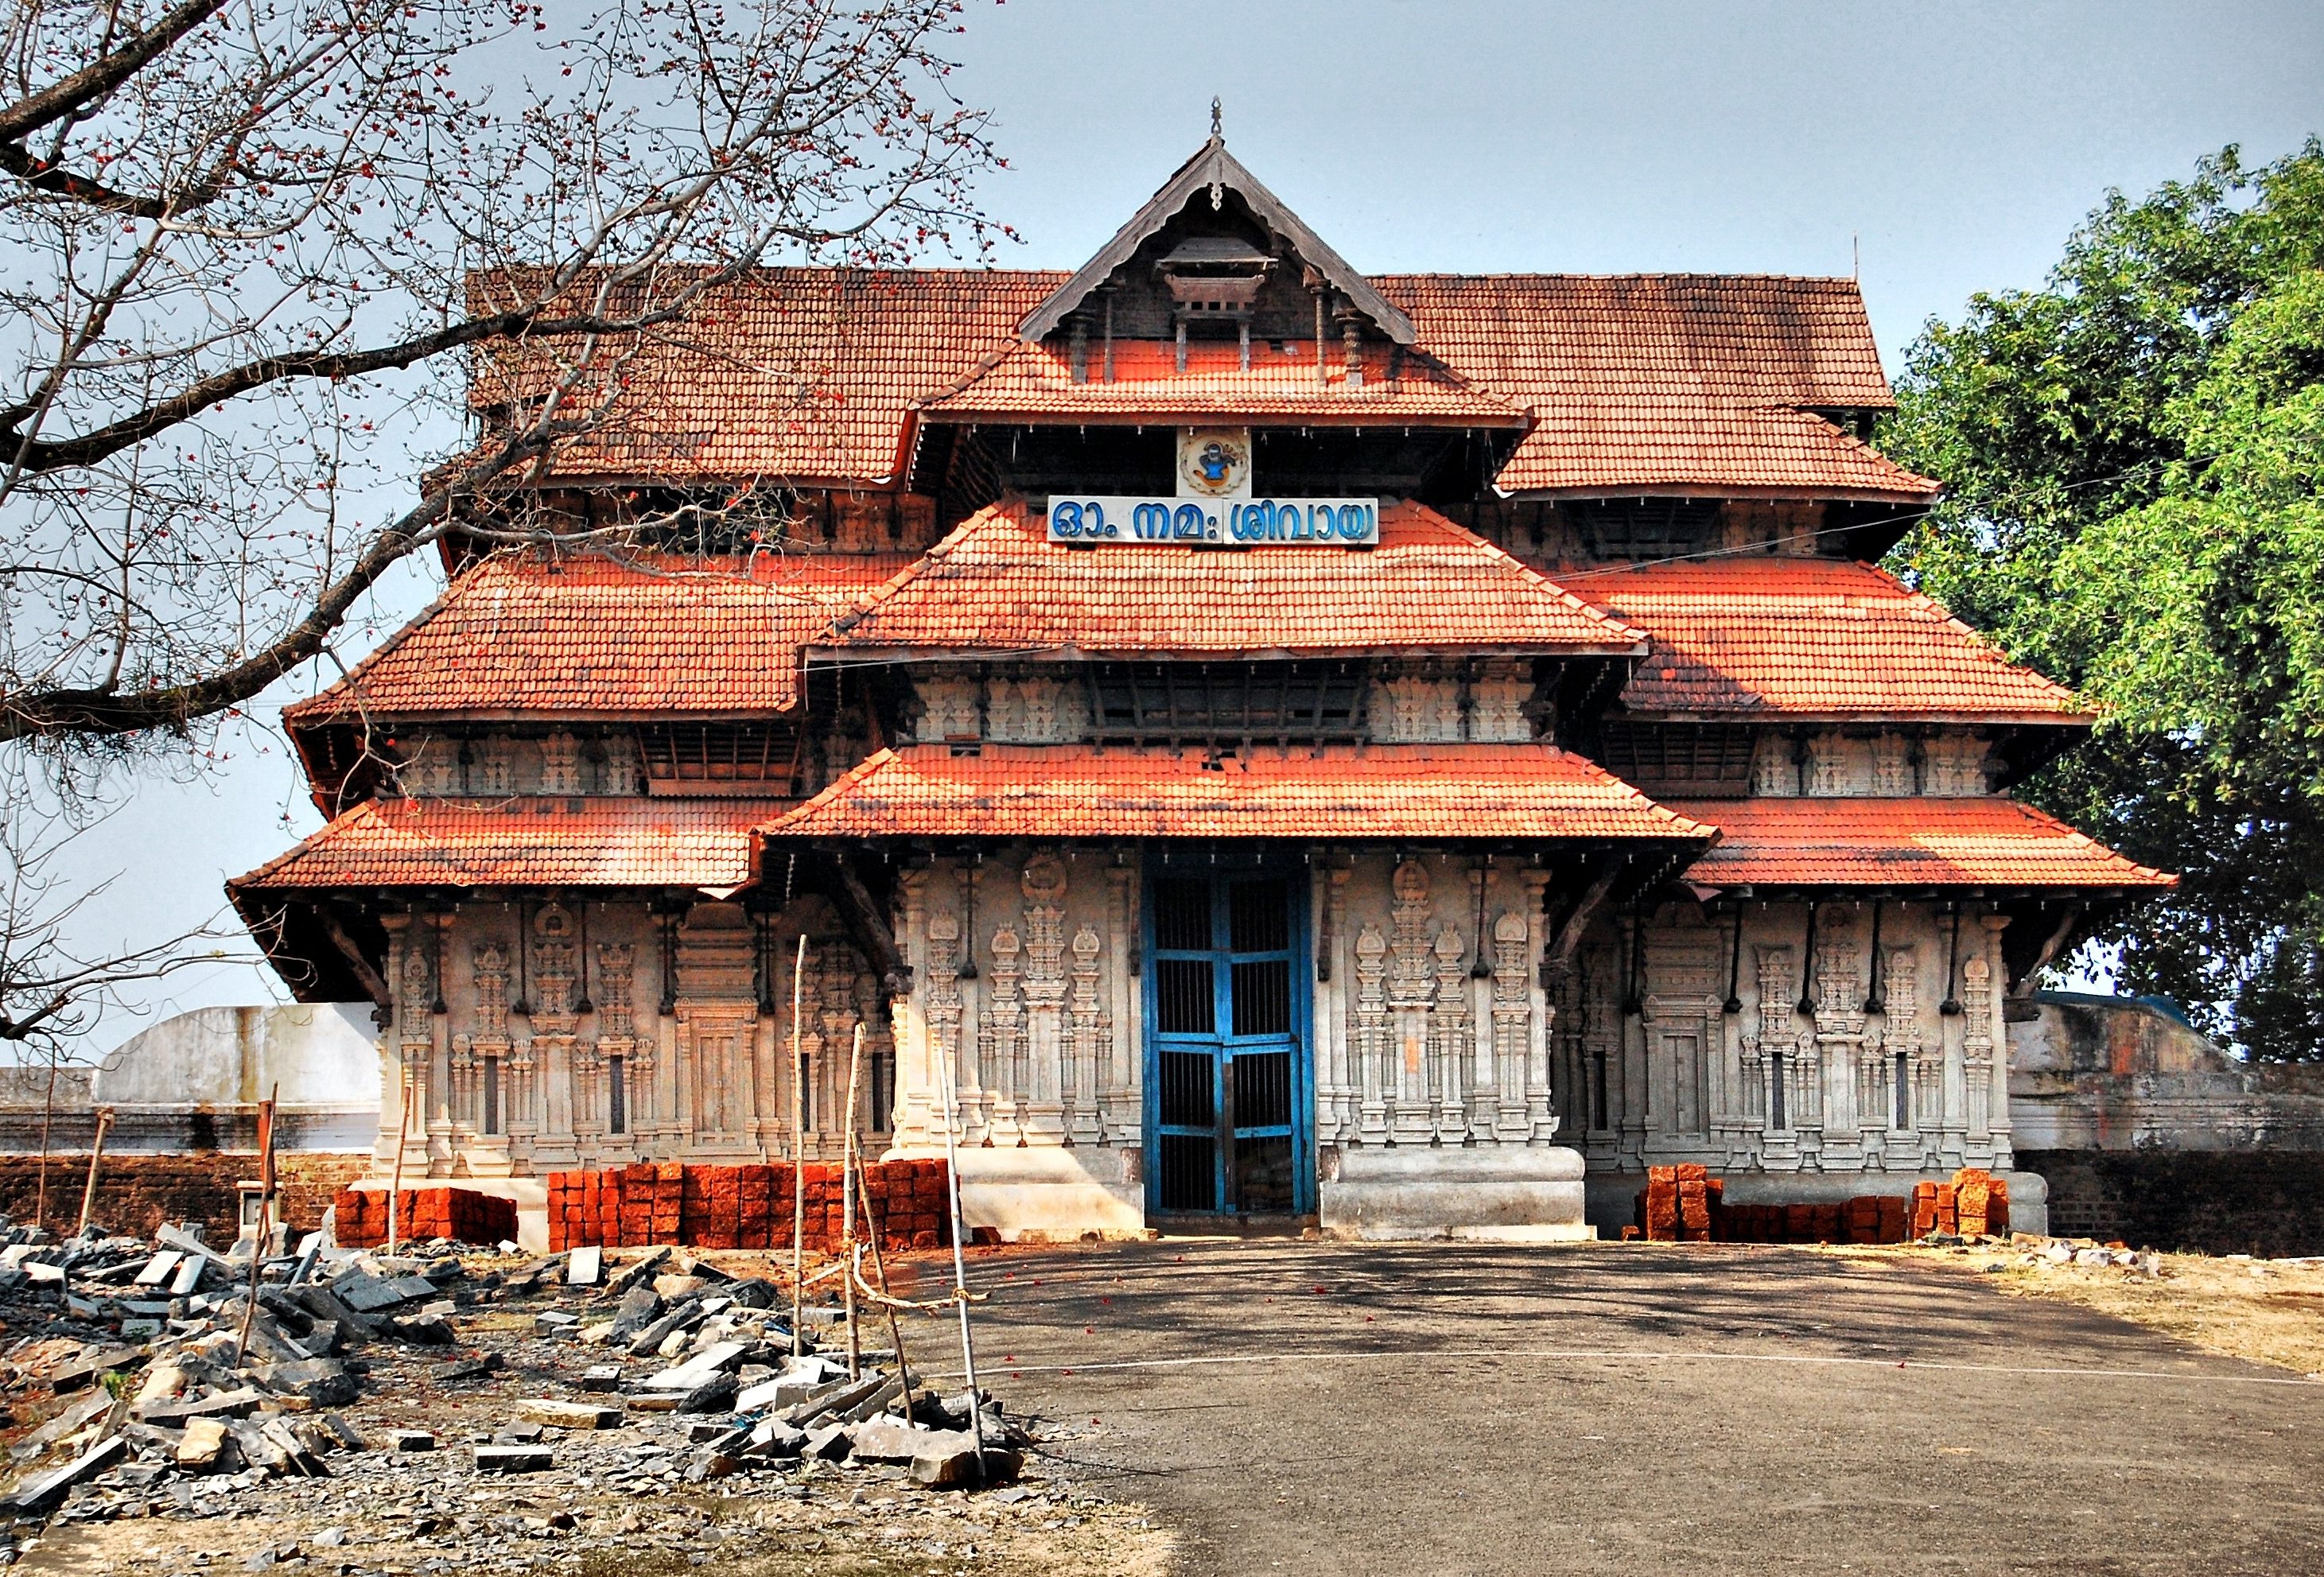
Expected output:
(241, 242)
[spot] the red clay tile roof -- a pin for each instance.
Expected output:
(1809, 638)
(1633, 381)
(1035, 382)
(1901, 842)
(1380, 791)
(996, 583)
(516, 842)
(797, 374)
(1584, 447)
(593, 636)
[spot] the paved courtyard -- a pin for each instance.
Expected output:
(1318, 1407)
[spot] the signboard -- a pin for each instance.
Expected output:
(1082, 521)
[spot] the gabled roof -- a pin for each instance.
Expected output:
(1376, 792)
(1035, 382)
(596, 636)
(1212, 167)
(996, 583)
(1809, 638)
(1985, 841)
(518, 843)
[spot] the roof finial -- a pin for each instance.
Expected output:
(1216, 134)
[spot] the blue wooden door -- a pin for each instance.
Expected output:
(1227, 1070)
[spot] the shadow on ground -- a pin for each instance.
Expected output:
(1453, 1409)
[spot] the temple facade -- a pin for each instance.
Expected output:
(1236, 738)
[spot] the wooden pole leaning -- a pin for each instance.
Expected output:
(95, 1154)
(266, 1208)
(396, 1174)
(959, 1265)
(799, 1156)
(847, 1206)
(879, 1268)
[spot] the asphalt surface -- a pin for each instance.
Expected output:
(1292, 1407)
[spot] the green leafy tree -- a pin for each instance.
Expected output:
(2135, 456)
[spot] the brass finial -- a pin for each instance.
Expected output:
(1215, 109)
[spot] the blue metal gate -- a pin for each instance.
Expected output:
(1229, 1076)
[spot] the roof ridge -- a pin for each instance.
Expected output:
(1494, 550)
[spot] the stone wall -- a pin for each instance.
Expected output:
(2090, 1073)
(2217, 1202)
(137, 1193)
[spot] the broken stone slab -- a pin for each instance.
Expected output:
(889, 1440)
(410, 1439)
(673, 1286)
(585, 1266)
(423, 1330)
(464, 1369)
(367, 1294)
(716, 1394)
(651, 1338)
(514, 1459)
(603, 1377)
(774, 1438)
(558, 1415)
(827, 1444)
(837, 1398)
(948, 1460)
(717, 1358)
(159, 1268)
(887, 1391)
(599, 1334)
(638, 1272)
(85, 1371)
(324, 1381)
(322, 1304)
(43, 1492)
(522, 1432)
(188, 1281)
(239, 1403)
(346, 1434)
(554, 1322)
(638, 1308)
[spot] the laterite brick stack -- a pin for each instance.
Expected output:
(462, 1215)
(741, 1207)
(1681, 1204)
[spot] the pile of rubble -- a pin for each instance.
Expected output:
(180, 1395)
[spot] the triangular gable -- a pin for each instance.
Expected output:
(1213, 167)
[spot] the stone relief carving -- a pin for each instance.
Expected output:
(1089, 1036)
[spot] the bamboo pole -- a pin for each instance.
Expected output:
(266, 1208)
(95, 1154)
(959, 1265)
(880, 1267)
(799, 1157)
(848, 1204)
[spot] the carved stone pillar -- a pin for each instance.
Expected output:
(1041, 1109)
(1412, 989)
(1120, 1092)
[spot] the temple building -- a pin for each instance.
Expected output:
(1241, 738)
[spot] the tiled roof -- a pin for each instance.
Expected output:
(1809, 637)
(595, 635)
(516, 842)
(996, 583)
(1379, 791)
(1632, 381)
(1589, 446)
(1901, 842)
(1036, 382)
(796, 373)
(1739, 339)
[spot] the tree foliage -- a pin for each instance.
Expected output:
(2135, 459)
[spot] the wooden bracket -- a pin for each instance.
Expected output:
(365, 975)
(869, 927)
(1559, 958)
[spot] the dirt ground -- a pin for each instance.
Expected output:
(1647, 1410)
(2268, 1311)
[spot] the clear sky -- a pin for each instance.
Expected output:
(1950, 148)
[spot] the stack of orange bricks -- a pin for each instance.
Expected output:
(462, 1215)
(741, 1207)
(1682, 1204)
(1678, 1203)
(1974, 1205)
